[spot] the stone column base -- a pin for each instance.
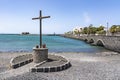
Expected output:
(40, 55)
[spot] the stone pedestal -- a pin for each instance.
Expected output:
(40, 54)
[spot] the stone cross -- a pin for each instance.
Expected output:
(40, 18)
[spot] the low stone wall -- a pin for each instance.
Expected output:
(51, 69)
(61, 67)
(21, 60)
(109, 42)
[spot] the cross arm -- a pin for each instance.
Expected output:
(45, 17)
(41, 17)
(35, 18)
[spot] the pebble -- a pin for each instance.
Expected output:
(100, 68)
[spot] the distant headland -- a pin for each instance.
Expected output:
(25, 33)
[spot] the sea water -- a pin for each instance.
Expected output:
(25, 43)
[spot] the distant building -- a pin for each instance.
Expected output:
(25, 33)
(77, 31)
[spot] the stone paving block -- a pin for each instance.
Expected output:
(58, 68)
(46, 69)
(63, 67)
(40, 70)
(30, 60)
(52, 69)
(26, 62)
(69, 64)
(33, 70)
(66, 66)
(22, 63)
(15, 66)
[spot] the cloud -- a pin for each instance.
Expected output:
(87, 18)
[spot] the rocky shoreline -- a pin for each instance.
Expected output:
(99, 66)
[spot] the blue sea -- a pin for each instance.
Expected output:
(25, 43)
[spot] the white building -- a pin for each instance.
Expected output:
(77, 31)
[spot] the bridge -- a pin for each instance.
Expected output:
(109, 42)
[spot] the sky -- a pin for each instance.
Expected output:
(16, 15)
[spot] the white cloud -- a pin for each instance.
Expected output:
(87, 18)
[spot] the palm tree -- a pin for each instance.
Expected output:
(113, 29)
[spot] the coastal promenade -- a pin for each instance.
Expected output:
(109, 42)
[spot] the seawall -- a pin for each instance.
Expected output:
(109, 42)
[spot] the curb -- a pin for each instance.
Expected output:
(52, 68)
(18, 64)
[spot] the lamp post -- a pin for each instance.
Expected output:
(107, 31)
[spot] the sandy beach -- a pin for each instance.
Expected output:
(99, 66)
